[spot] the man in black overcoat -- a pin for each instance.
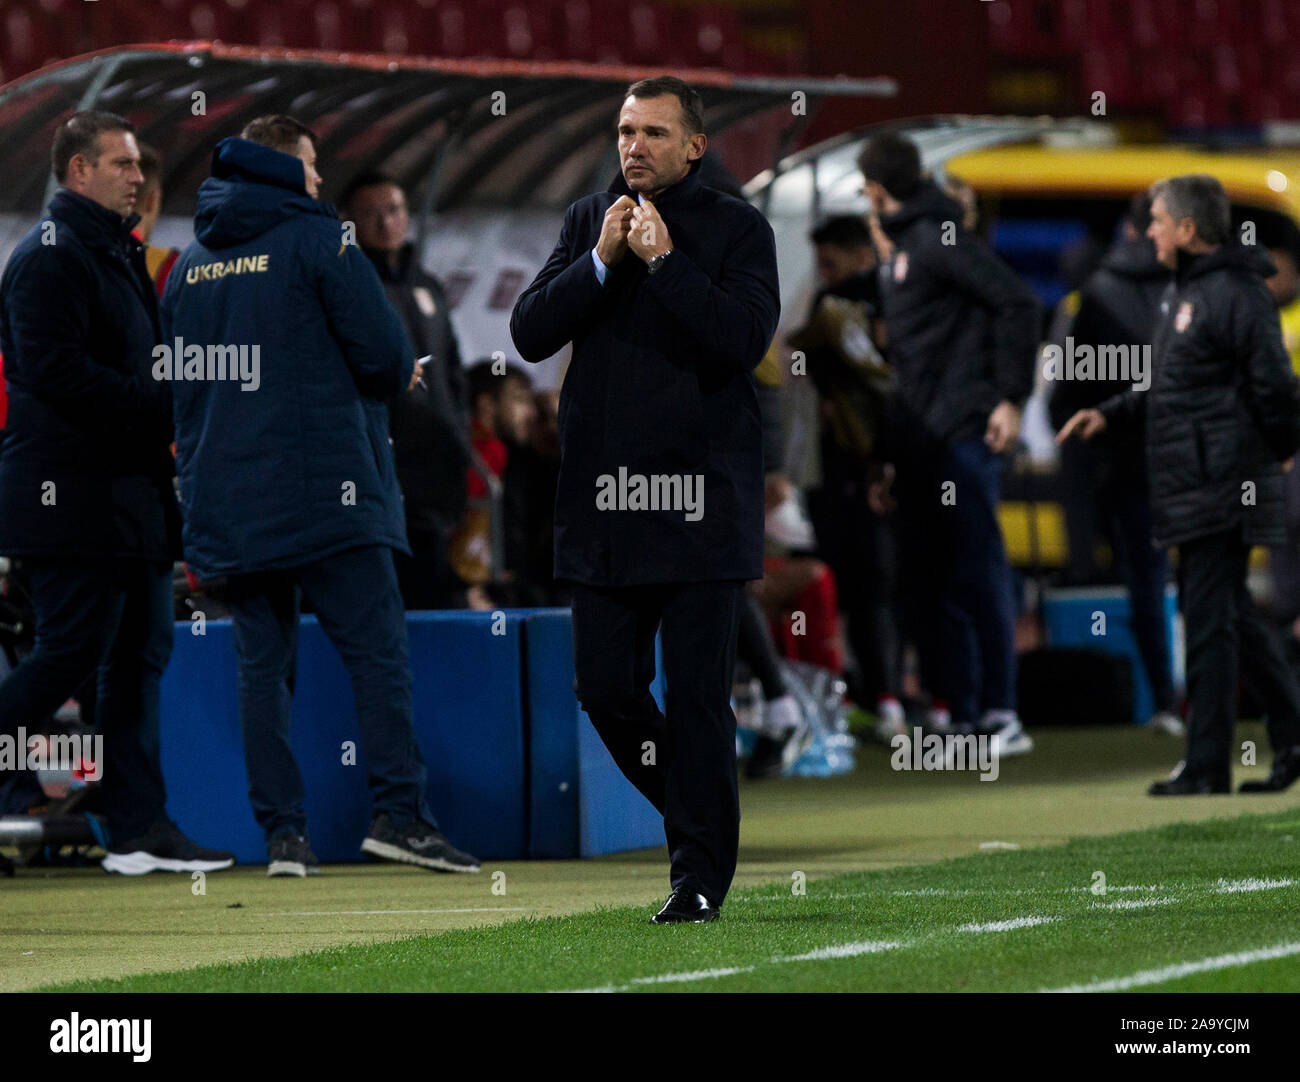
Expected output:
(667, 291)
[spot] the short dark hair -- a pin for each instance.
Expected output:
(691, 102)
(843, 231)
(369, 178)
(1139, 212)
(151, 166)
(894, 162)
(481, 380)
(79, 134)
(1201, 198)
(277, 131)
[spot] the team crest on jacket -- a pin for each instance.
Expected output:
(425, 300)
(900, 266)
(1184, 318)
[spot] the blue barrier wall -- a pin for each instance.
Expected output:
(580, 804)
(1070, 619)
(515, 768)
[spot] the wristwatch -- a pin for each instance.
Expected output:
(658, 261)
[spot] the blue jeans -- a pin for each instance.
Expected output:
(359, 606)
(114, 616)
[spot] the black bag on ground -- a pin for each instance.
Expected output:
(1059, 686)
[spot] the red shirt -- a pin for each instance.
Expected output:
(492, 451)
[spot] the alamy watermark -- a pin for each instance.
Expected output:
(1129, 364)
(59, 751)
(655, 492)
(195, 363)
(946, 751)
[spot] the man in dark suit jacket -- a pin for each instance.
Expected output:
(86, 483)
(668, 292)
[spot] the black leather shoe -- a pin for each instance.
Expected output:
(686, 907)
(1286, 768)
(1182, 783)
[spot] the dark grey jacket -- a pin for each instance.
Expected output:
(1223, 409)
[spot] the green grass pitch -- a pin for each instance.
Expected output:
(878, 881)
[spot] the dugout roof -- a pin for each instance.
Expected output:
(428, 122)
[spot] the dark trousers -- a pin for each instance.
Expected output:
(756, 648)
(114, 616)
(1101, 489)
(861, 548)
(682, 759)
(1226, 637)
(425, 577)
(958, 591)
(355, 597)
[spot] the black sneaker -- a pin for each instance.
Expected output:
(418, 844)
(163, 848)
(290, 854)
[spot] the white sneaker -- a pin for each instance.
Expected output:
(1162, 721)
(1005, 726)
(891, 721)
(938, 719)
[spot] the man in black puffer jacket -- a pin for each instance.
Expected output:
(1222, 411)
(962, 338)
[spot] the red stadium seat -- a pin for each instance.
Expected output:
(575, 32)
(1103, 26)
(711, 37)
(1273, 23)
(25, 41)
(1035, 28)
(609, 32)
(529, 31)
(649, 34)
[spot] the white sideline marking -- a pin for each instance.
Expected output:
(1184, 969)
(1134, 903)
(944, 892)
(1236, 886)
(698, 975)
(822, 954)
(1006, 925)
(844, 950)
(389, 912)
(999, 845)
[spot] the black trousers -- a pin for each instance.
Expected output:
(861, 548)
(113, 617)
(1226, 637)
(682, 759)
